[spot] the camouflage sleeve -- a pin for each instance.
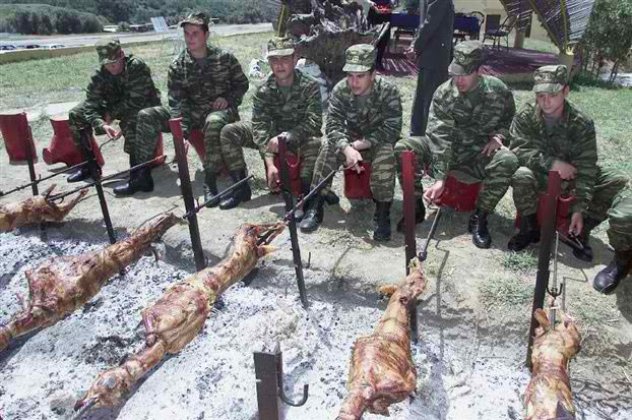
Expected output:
(313, 121)
(508, 111)
(440, 132)
(141, 92)
(177, 102)
(388, 129)
(585, 161)
(262, 120)
(335, 122)
(526, 142)
(95, 101)
(238, 83)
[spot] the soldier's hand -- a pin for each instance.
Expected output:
(274, 183)
(566, 170)
(273, 145)
(361, 144)
(220, 103)
(495, 142)
(577, 224)
(353, 159)
(110, 131)
(433, 193)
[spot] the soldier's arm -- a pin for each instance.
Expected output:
(388, 129)
(507, 115)
(585, 161)
(526, 142)
(335, 121)
(176, 94)
(437, 10)
(141, 91)
(313, 121)
(440, 132)
(238, 83)
(262, 121)
(95, 101)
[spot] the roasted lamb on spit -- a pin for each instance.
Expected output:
(179, 315)
(548, 395)
(35, 210)
(62, 284)
(382, 370)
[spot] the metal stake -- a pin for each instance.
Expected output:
(547, 230)
(408, 187)
(175, 124)
(289, 205)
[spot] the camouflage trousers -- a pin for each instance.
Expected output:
(78, 122)
(238, 135)
(495, 172)
(382, 162)
(611, 200)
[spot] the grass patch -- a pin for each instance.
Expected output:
(505, 292)
(520, 262)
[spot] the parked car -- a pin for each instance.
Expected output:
(7, 47)
(53, 46)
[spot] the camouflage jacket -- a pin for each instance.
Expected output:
(194, 88)
(298, 112)
(123, 95)
(460, 124)
(376, 117)
(571, 140)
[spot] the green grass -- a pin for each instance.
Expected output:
(505, 292)
(520, 262)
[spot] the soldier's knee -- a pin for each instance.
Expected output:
(74, 114)
(507, 160)
(522, 176)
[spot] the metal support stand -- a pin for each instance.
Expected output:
(289, 204)
(95, 174)
(175, 125)
(408, 187)
(269, 375)
(547, 232)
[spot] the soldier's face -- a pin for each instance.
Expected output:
(466, 83)
(283, 68)
(195, 37)
(552, 103)
(117, 67)
(360, 82)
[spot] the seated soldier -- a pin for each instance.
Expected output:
(363, 123)
(120, 88)
(468, 131)
(553, 135)
(288, 105)
(206, 85)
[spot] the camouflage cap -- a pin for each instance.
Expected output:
(359, 58)
(108, 50)
(550, 79)
(278, 47)
(468, 56)
(197, 18)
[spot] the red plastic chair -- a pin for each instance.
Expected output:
(358, 185)
(459, 195)
(563, 220)
(294, 164)
(196, 139)
(18, 140)
(62, 148)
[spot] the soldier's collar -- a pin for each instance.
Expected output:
(189, 58)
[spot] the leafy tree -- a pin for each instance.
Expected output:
(116, 10)
(45, 26)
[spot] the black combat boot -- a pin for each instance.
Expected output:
(382, 232)
(420, 214)
(585, 252)
(239, 194)
(331, 198)
(314, 215)
(80, 174)
(529, 233)
(305, 188)
(139, 180)
(478, 226)
(609, 278)
(210, 188)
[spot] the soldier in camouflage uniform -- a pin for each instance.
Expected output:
(468, 131)
(553, 135)
(363, 123)
(119, 89)
(206, 85)
(287, 104)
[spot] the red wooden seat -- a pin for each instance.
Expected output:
(459, 195)
(196, 139)
(358, 185)
(62, 148)
(294, 164)
(563, 220)
(18, 140)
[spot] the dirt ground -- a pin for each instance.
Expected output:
(473, 317)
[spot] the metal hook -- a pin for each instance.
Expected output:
(286, 400)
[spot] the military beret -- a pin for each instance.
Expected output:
(468, 56)
(108, 50)
(359, 58)
(550, 79)
(278, 47)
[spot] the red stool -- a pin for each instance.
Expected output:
(459, 195)
(562, 221)
(358, 185)
(18, 140)
(294, 164)
(62, 148)
(196, 138)
(159, 151)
